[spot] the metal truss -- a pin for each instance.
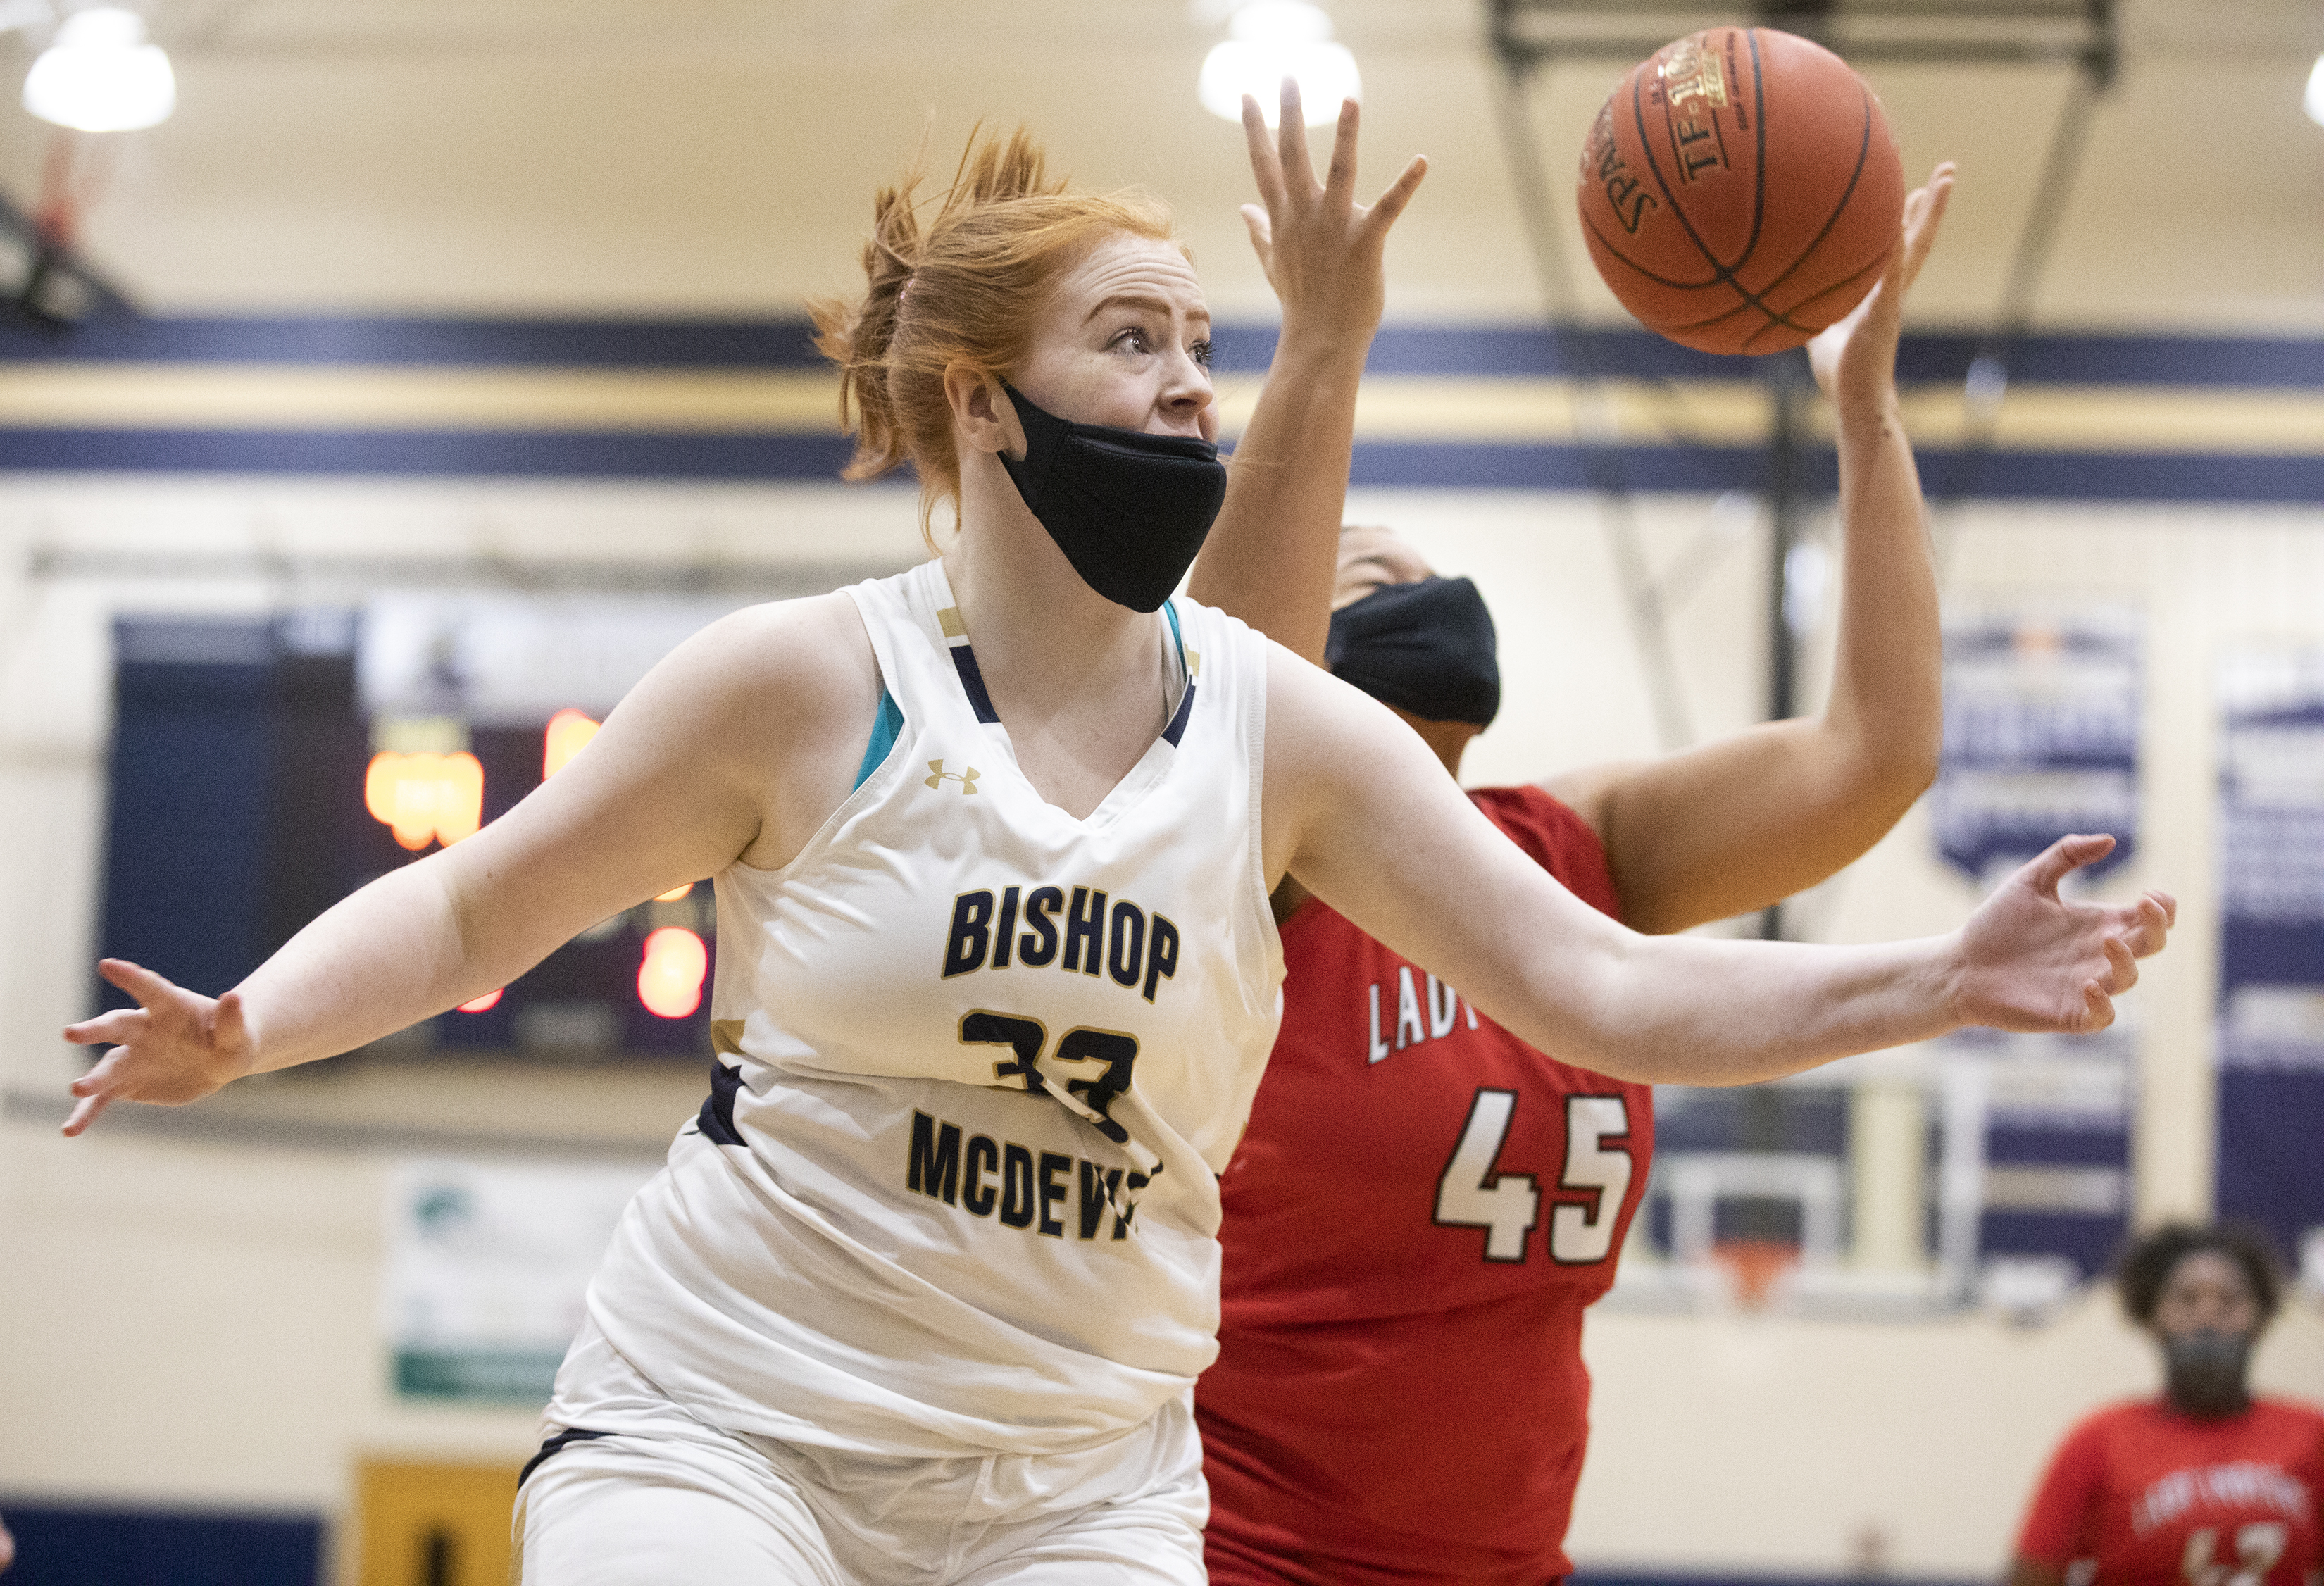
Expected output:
(48, 282)
(1527, 33)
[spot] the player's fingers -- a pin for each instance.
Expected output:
(93, 1091)
(2169, 906)
(1263, 168)
(1917, 201)
(1918, 239)
(2061, 859)
(1340, 176)
(1262, 232)
(2148, 929)
(1916, 204)
(102, 1074)
(1921, 223)
(1882, 307)
(84, 1113)
(1390, 203)
(1291, 145)
(107, 1029)
(2098, 1008)
(1897, 266)
(2122, 968)
(139, 981)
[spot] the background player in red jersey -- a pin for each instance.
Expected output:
(1422, 1205)
(2205, 1486)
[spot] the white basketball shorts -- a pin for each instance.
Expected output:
(670, 1501)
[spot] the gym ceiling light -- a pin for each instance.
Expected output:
(1268, 41)
(100, 75)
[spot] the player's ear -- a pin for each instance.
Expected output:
(983, 417)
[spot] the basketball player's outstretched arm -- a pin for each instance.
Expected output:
(1269, 557)
(1740, 823)
(1359, 810)
(733, 746)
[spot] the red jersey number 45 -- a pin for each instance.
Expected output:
(1474, 1193)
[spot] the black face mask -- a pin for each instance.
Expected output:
(1130, 509)
(1427, 648)
(2204, 1372)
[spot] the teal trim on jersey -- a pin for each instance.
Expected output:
(1176, 727)
(885, 730)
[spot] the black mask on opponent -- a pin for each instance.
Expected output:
(2206, 1372)
(1130, 509)
(1427, 648)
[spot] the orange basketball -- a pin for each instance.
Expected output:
(1740, 190)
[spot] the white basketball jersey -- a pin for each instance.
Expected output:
(979, 1063)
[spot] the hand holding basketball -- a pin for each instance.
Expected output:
(173, 1047)
(1855, 359)
(2028, 960)
(1320, 248)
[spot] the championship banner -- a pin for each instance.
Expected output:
(2041, 715)
(487, 1270)
(2271, 1014)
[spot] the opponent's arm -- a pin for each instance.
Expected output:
(715, 753)
(1362, 814)
(1737, 824)
(1270, 557)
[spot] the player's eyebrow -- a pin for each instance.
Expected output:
(1377, 561)
(1161, 306)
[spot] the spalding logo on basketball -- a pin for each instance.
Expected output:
(1740, 190)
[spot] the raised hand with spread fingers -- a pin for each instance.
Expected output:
(1276, 539)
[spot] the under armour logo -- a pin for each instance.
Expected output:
(938, 777)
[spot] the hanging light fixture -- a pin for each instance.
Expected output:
(1268, 41)
(100, 75)
(2314, 101)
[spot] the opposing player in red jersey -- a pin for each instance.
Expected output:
(1422, 1205)
(2205, 1486)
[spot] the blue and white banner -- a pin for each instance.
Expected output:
(2270, 1028)
(2042, 716)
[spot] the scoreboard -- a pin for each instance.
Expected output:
(257, 778)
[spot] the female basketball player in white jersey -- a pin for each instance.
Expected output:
(921, 1293)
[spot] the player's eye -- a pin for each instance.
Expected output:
(1132, 340)
(1200, 353)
